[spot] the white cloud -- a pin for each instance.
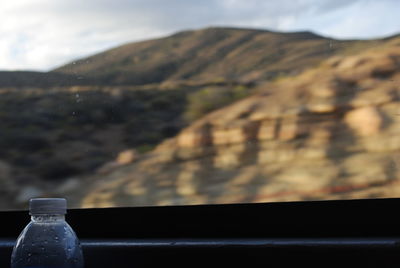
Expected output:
(43, 34)
(361, 19)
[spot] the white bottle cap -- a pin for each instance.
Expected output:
(49, 206)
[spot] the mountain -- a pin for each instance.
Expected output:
(62, 128)
(331, 132)
(212, 54)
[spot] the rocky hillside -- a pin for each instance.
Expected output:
(61, 127)
(330, 132)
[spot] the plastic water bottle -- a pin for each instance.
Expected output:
(47, 241)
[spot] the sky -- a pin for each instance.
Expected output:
(44, 34)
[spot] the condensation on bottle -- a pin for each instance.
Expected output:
(47, 241)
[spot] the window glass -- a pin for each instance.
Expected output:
(137, 103)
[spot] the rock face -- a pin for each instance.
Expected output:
(365, 121)
(127, 156)
(331, 132)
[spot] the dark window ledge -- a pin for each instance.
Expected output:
(357, 233)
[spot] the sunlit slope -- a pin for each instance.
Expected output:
(330, 132)
(212, 54)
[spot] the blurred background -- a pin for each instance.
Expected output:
(138, 103)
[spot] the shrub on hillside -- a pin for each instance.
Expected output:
(54, 169)
(211, 98)
(25, 142)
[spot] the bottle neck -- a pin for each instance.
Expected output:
(47, 218)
